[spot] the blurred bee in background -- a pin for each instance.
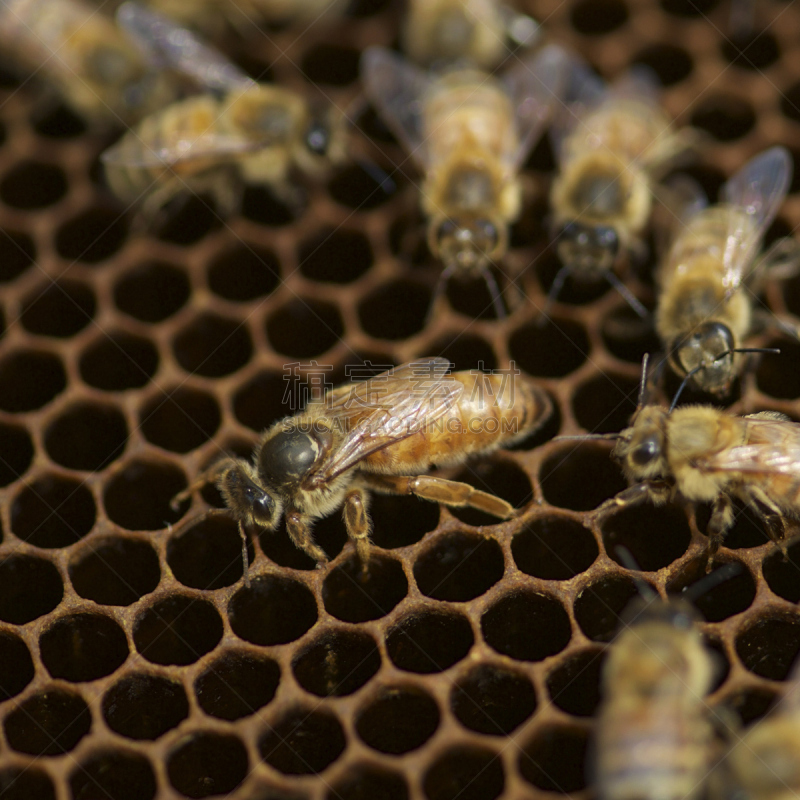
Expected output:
(480, 32)
(100, 71)
(237, 131)
(470, 133)
(378, 435)
(707, 280)
(613, 143)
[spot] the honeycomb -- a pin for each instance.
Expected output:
(134, 660)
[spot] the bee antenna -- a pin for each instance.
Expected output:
(629, 562)
(711, 581)
(378, 174)
(643, 381)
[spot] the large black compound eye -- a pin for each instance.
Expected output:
(318, 138)
(647, 450)
(287, 457)
(607, 239)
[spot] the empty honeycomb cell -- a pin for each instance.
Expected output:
(17, 253)
(158, 482)
(780, 572)
(29, 588)
(213, 346)
(337, 663)
(118, 774)
(598, 606)
(16, 667)
(755, 51)
(577, 289)
(655, 535)
(398, 719)
(353, 595)
(53, 512)
(401, 521)
(459, 566)
(555, 758)
(30, 185)
(260, 402)
(549, 350)
(725, 117)
(152, 291)
(143, 706)
(29, 379)
(119, 361)
(465, 352)
(304, 328)
(87, 436)
(492, 699)
(48, 723)
(751, 704)
(670, 63)
(57, 122)
(237, 684)
(83, 647)
(554, 548)
(574, 686)
(395, 310)
(465, 772)
(526, 626)
(772, 377)
(261, 205)
(180, 419)
(187, 220)
(331, 64)
(335, 255)
(769, 645)
(208, 555)
(580, 477)
(272, 610)
(366, 782)
(92, 236)
(732, 596)
(605, 403)
(177, 630)
(58, 308)
(206, 763)
(16, 453)
(244, 272)
(359, 187)
(596, 17)
(115, 571)
(498, 477)
(427, 642)
(627, 336)
(303, 741)
(17, 783)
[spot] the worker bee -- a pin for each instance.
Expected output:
(476, 31)
(613, 144)
(378, 435)
(238, 130)
(706, 281)
(101, 73)
(470, 133)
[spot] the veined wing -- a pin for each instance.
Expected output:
(396, 88)
(755, 194)
(387, 409)
(170, 45)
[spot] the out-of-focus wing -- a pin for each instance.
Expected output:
(536, 85)
(396, 88)
(755, 194)
(170, 45)
(386, 409)
(639, 83)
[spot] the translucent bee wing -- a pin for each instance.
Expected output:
(170, 45)
(396, 88)
(755, 194)
(639, 83)
(386, 409)
(536, 86)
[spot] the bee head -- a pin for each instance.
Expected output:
(642, 447)
(289, 453)
(244, 495)
(590, 250)
(707, 349)
(467, 244)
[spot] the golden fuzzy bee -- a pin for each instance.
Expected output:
(470, 133)
(475, 31)
(379, 435)
(706, 281)
(239, 130)
(100, 71)
(613, 143)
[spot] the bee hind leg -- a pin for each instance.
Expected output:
(719, 524)
(357, 522)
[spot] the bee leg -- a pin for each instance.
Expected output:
(771, 515)
(357, 522)
(440, 490)
(657, 492)
(721, 520)
(299, 527)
